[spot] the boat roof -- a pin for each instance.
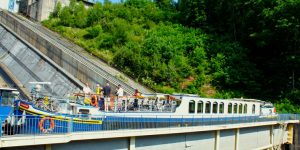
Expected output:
(197, 96)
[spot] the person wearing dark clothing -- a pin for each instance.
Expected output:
(106, 90)
(106, 93)
(137, 95)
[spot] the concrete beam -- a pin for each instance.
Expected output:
(12, 141)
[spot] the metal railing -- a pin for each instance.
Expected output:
(36, 125)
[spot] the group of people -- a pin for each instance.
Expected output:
(103, 95)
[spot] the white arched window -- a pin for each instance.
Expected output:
(235, 108)
(200, 107)
(215, 107)
(192, 106)
(230, 108)
(207, 107)
(240, 108)
(253, 109)
(221, 108)
(245, 109)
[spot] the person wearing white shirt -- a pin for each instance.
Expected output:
(120, 94)
(120, 91)
(86, 89)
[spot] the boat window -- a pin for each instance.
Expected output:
(215, 107)
(207, 107)
(7, 98)
(235, 108)
(253, 109)
(178, 102)
(245, 109)
(240, 108)
(200, 107)
(221, 108)
(229, 108)
(84, 111)
(192, 106)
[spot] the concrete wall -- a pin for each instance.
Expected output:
(10, 5)
(227, 139)
(69, 56)
(251, 138)
(108, 144)
(248, 138)
(62, 58)
(27, 65)
(41, 10)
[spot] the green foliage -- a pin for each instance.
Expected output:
(94, 31)
(57, 10)
(233, 48)
(80, 14)
(66, 18)
(285, 106)
(192, 12)
(94, 14)
(231, 69)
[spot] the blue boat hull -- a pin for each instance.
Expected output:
(38, 121)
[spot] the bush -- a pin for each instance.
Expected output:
(94, 31)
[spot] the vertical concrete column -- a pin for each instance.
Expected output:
(132, 143)
(296, 136)
(48, 147)
(217, 140)
(237, 139)
(272, 136)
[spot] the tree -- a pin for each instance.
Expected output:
(80, 13)
(95, 13)
(192, 12)
(66, 18)
(57, 10)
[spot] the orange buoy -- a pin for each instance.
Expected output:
(41, 125)
(94, 100)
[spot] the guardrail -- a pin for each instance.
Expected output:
(40, 125)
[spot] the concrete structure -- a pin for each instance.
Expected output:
(40, 9)
(10, 5)
(246, 136)
(21, 60)
(69, 56)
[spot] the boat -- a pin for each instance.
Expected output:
(45, 116)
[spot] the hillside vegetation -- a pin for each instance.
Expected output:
(233, 48)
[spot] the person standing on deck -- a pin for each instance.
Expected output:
(86, 91)
(137, 95)
(99, 96)
(98, 90)
(120, 94)
(106, 93)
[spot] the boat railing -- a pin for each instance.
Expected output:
(116, 104)
(52, 125)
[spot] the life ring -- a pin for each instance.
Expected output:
(94, 100)
(41, 125)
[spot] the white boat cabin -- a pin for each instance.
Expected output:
(177, 104)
